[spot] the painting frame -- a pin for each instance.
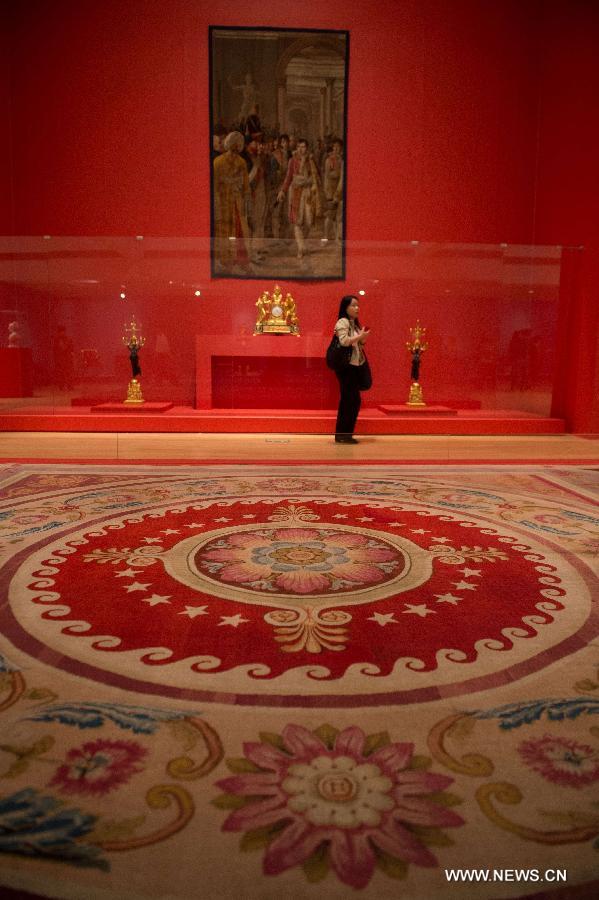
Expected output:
(278, 104)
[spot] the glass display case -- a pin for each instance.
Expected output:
(493, 315)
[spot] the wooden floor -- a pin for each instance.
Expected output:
(262, 447)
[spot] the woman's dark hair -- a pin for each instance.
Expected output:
(345, 301)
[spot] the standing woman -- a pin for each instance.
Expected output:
(350, 334)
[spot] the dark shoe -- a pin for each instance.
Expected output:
(345, 439)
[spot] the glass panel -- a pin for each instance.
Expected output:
(490, 313)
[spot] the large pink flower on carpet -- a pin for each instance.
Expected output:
(338, 799)
(561, 760)
(299, 560)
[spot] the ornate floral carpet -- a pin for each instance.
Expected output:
(307, 681)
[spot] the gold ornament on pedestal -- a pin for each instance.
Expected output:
(275, 314)
(416, 348)
(134, 342)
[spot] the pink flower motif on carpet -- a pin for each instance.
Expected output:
(561, 760)
(299, 560)
(340, 800)
(98, 767)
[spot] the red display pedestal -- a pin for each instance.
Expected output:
(265, 371)
(16, 372)
(145, 407)
(403, 409)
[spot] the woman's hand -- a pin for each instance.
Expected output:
(362, 335)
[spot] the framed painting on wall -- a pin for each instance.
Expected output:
(278, 117)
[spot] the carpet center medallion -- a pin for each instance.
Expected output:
(354, 591)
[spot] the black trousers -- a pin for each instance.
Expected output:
(349, 401)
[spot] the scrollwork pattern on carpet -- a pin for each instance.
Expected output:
(47, 770)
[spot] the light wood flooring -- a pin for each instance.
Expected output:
(262, 447)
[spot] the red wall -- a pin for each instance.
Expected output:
(568, 191)
(111, 116)
(6, 207)
(110, 129)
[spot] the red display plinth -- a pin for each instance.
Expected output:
(16, 372)
(145, 407)
(282, 421)
(264, 371)
(403, 409)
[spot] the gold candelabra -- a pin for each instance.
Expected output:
(133, 340)
(416, 347)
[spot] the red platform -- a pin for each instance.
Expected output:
(403, 409)
(180, 419)
(137, 408)
(248, 371)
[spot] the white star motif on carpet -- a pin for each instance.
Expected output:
(136, 586)
(396, 524)
(249, 516)
(232, 620)
(448, 598)
(170, 531)
(441, 540)
(128, 573)
(464, 586)
(340, 516)
(419, 609)
(153, 540)
(222, 519)
(155, 599)
(365, 519)
(469, 573)
(194, 525)
(383, 618)
(193, 611)
(419, 531)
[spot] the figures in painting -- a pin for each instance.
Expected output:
(248, 93)
(231, 197)
(258, 181)
(283, 216)
(271, 199)
(333, 192)
(303, 188)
